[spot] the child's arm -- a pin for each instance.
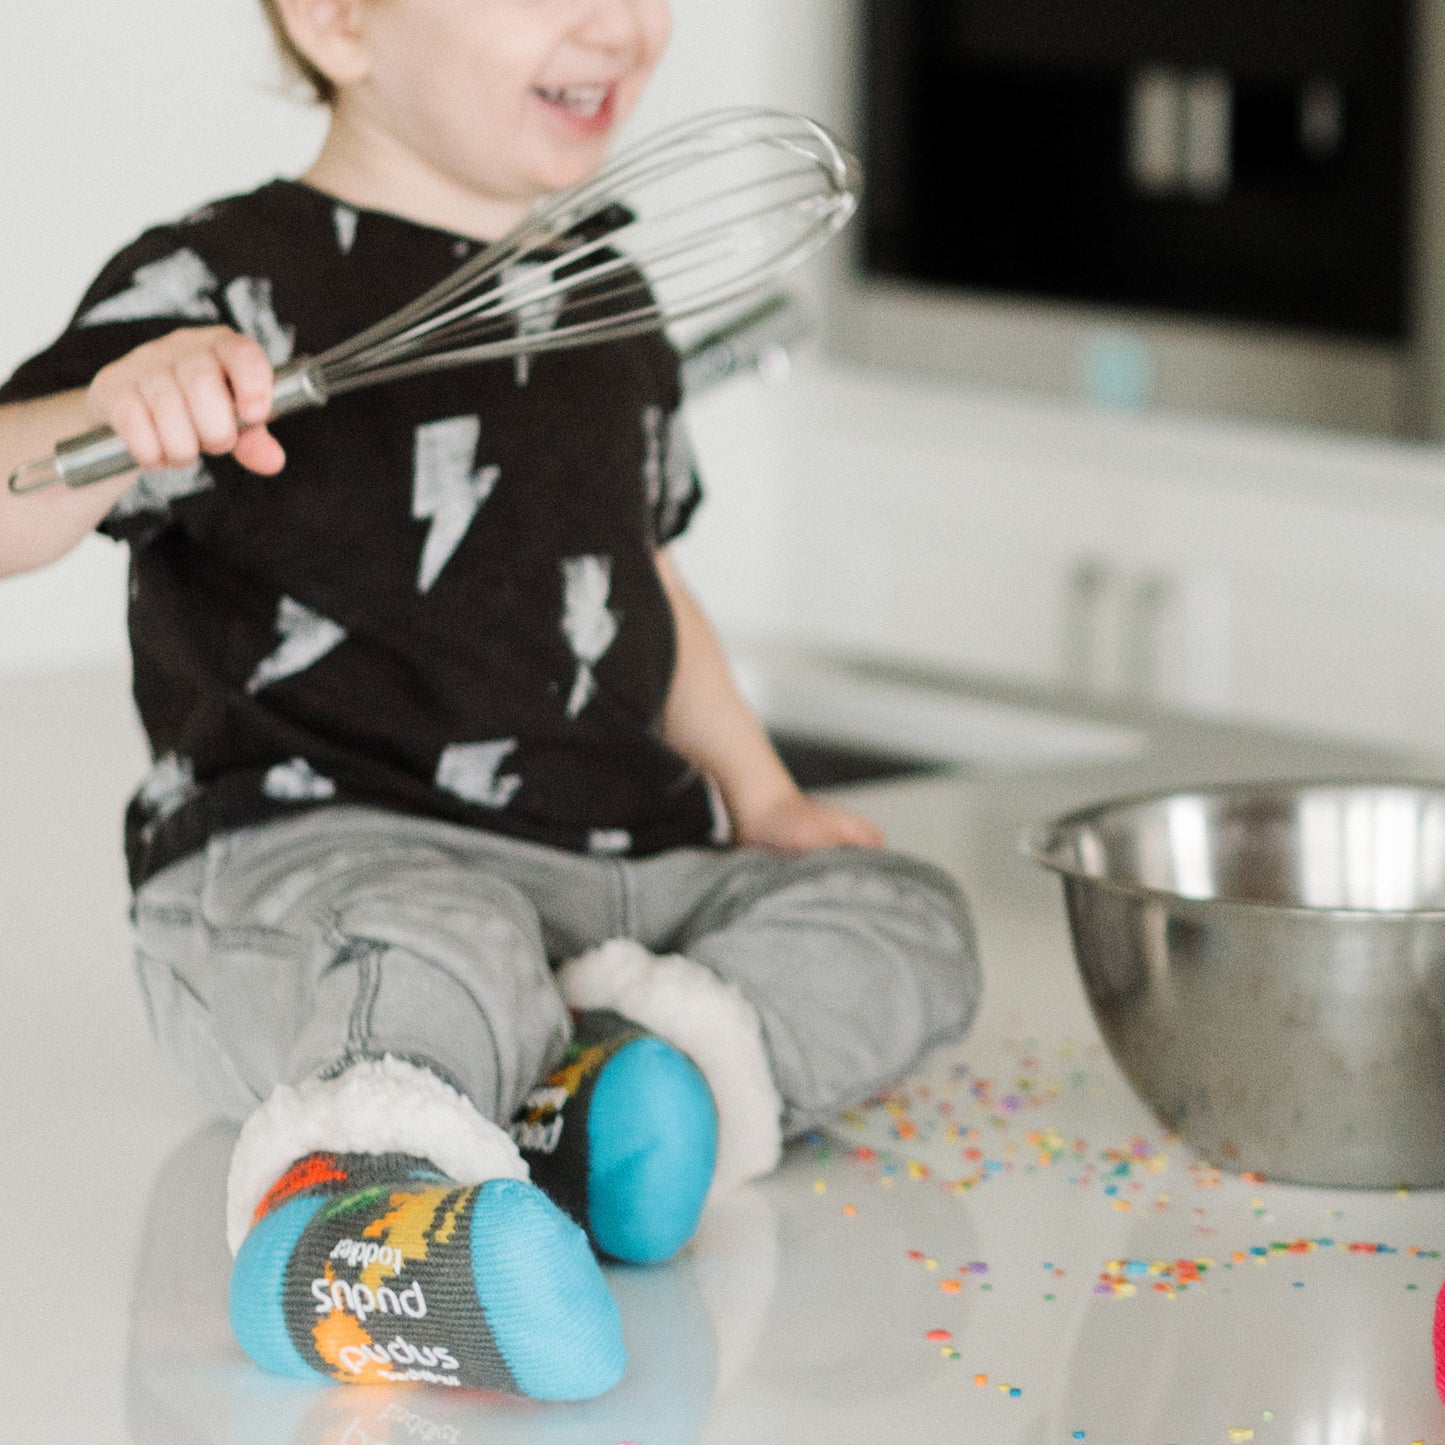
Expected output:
(708, 722)
(199, 389)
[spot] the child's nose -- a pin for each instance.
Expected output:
(621, 24)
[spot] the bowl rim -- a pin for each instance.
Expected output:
(1038, 843)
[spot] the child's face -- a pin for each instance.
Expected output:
(510, 99)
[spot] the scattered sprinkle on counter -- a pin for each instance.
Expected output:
(965, 1131)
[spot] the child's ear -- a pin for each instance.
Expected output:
(330, 34)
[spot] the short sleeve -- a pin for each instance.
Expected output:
(679, 488)
(156, 285)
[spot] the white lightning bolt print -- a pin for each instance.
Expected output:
(589, 626)
(155, 491)
(652, 456)
(176, 286)
(447, 489)
(536, 317)
(306, 637)
(297, 782)
(609, 842)
(169, 783)
(722, 823)
(668, 465)
(470, 770)
(249, 301)
(679, 465)
(345, 219)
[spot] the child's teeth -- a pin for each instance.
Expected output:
(584, 99)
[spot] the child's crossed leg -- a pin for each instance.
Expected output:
(372, 993)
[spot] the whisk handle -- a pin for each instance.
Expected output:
(99, 454)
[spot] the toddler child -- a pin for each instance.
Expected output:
(431, 712)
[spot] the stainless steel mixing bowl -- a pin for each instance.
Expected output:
(1267, 965)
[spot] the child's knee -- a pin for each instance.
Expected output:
(910, 920)
(947, 942)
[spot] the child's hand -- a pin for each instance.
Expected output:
(204, 389)
(796, 823)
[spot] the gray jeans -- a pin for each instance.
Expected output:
(292, 948)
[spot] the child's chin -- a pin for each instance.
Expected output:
(582, 165)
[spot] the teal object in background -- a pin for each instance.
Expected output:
(1118, 371)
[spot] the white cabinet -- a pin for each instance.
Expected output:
(907, 532)
(1311, 608)
(1283, 578)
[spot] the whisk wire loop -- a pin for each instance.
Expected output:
(705, 214)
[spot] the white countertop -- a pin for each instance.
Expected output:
(984, 1199)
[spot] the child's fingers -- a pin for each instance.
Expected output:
(258, 451)
(208, 398)
(171, 415)
(130, 418)
(248, 374)
(194, 391)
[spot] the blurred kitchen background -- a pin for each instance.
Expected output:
(1127, 391)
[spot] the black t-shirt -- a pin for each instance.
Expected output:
(446, 604)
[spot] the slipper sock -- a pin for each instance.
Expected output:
(623, 1136)
(376, 1268)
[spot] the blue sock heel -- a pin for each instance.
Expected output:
(652, 1143)
(623, 1136)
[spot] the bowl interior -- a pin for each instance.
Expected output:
(1370, 848)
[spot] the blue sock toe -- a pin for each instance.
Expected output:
(258, 1289)
(386, 1272)
(652, 1144)
(547, 1305)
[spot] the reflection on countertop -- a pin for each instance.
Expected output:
(929, 1269)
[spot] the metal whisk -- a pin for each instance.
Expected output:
(702, 216)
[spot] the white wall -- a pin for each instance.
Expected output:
(117, 113)
(114, 114)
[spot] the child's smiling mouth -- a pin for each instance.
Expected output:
(581, 102)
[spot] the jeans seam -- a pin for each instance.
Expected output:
(623, 906)
(360, 1030)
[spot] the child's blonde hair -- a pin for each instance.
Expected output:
(320, 86)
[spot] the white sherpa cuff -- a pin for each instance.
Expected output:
(708, 1020)
(378, 1106)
